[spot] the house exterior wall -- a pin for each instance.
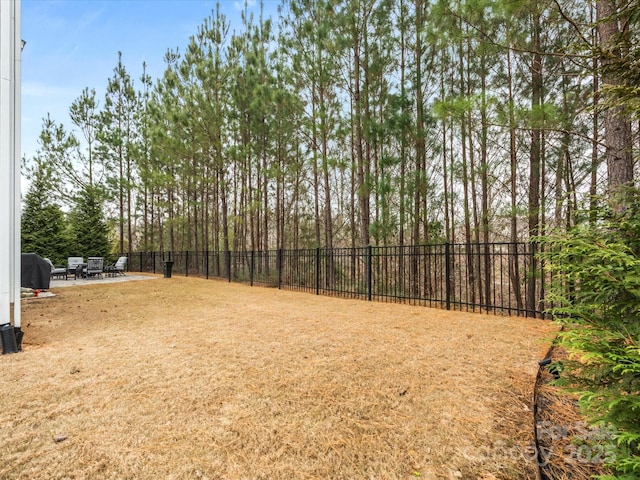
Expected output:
(10, 70)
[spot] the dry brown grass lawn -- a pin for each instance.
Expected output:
(189, 378)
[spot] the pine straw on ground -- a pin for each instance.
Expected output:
(189, 378)
(570, 448)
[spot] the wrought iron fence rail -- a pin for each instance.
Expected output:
(491, 278)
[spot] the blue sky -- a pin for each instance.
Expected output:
(73, 44)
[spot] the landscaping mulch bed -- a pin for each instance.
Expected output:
(569, 448)
(191, 378)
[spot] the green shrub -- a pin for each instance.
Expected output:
(596, 295)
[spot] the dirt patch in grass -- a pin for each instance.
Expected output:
(192, 378)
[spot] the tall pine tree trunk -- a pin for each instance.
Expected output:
(535, 156)
(617, 125)
(595, 142)
(514, 267)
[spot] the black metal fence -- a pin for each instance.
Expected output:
(499, 278)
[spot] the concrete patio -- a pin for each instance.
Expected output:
(73, 282)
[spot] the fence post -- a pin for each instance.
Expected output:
(369, 271)
(251, 267)
(279, 265)
(206, 264)
(317, 270)
(140, 261)
(186, 263)
(229, 264)
(447, 269)
(540, 303)
(153, 259)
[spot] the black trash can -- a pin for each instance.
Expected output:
(8, 335)
(167, 266)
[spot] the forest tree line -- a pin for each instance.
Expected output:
(357, 122)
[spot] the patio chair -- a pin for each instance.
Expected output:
(94, 267)
(117, 268)
(75, 265)
(58, 272)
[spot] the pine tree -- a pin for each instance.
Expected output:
(614, 45)
(59, 150)
(118, 136)
(87, 226)
(43, 228)
(84, 115)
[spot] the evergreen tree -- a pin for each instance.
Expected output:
(597, 296)
(118, 142)
(613, 23)
(59, 150)
(43, 229)
(84, 115)
(373, 121)
(87, 225)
